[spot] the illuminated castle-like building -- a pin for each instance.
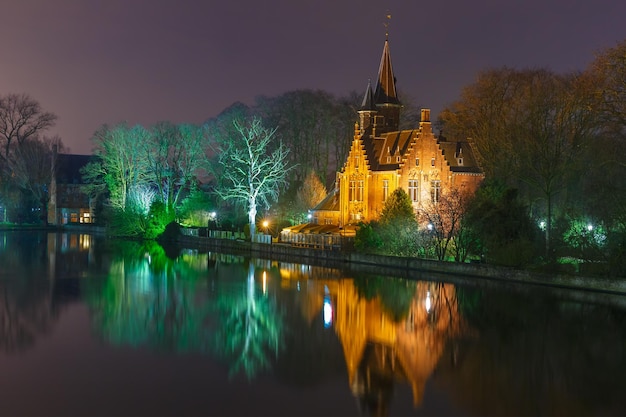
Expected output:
(383, 158)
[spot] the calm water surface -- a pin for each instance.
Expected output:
(99, 327)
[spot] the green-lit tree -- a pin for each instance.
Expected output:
(250, 168)
(395, 233)
(174, 155)
(121, 163)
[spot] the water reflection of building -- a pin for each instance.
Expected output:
(380, 350)
(69, 254)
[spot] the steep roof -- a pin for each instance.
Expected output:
(455, 151)
(386, 86)
(383, 151)
(392, 144)
(330, 202)
(368, 99)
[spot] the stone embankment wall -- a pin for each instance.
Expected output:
(403, 267)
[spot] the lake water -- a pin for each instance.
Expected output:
(91, 326)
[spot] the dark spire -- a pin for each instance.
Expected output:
(368, 99)
(386, 86)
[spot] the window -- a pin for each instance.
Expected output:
(388, 159)
(432, 162)
(397, 159)
(414, 190)
(352, 190)
(359, 191)
(435, 191)
(417, 162)
(356, 190)
(385, 189)
(460, 161)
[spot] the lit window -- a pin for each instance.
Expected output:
(435, 191)
(385, 189)
(352, 194)
(359, 195)
(414, 190)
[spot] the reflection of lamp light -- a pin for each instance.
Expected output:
(427, 302)
(328, 312)
(264, 282)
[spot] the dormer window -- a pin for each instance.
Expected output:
(388, 159)
(397, 159)
(417, 162)
(460, 161)
(432, 162)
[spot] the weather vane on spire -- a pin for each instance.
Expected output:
(386, 24)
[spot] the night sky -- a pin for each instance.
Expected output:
(142, 61)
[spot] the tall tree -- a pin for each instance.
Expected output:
(314, 122)
(445, 220)
(529, 129)
(31, 167)
(174, 155)
(606, 182)
(121, 163)
(248, 171)
(311, 192)
(21, 117)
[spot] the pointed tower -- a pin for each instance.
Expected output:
(367, 111)
(385, 96)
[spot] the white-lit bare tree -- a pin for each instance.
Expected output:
(250, 168)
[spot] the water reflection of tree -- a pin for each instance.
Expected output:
(536, 356)
(149, 299)
(249, 327)
(27, 310)
(396, 295)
